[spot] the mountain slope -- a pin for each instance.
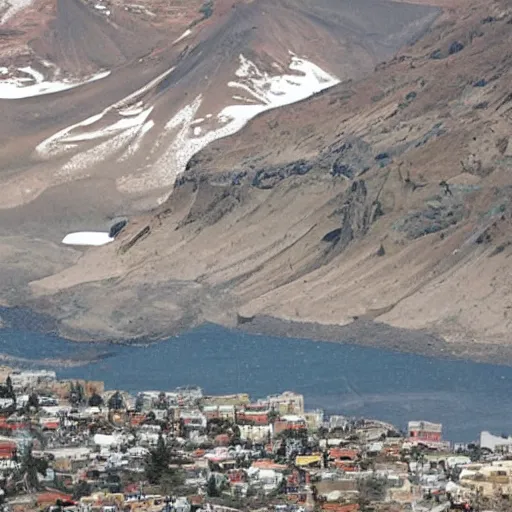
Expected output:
(246, 57)
(385, 198)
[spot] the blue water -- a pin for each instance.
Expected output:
(347, 379)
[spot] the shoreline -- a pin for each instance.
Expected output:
(362, 332)
(368, 333)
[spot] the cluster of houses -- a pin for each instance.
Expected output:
(74, 446)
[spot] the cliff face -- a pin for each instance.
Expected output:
(385, 200)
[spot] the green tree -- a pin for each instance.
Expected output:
(162, 402)
(81, 489)
(80, 393)
(301, 434)
(211, 487)
(273, 415)
(29, 470)
(95, 400)
(33, 401)
(157, 463)
(73, 394)
(139, 403)
(370, 490)
(10, 389)
(170, 481)
(158, 471)
(116, 401)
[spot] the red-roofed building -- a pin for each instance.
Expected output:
(253, 417)
(50, 423)
(7, 449)
(343, 454)
(289, 423)
(338, 507)
(51, 498)
(221, 440)
(13, 424)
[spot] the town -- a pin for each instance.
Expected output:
(74, 446)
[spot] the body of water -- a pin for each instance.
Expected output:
(344, 379)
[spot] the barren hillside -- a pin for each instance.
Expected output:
(384, 198)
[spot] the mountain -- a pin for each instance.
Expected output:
(378, 197)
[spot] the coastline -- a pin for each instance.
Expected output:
(379, 335)
(361, 332)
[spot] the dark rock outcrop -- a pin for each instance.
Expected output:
(439, 215)
(455, 47)
(140, 235)
(117, 228)
(267, 178)
(357, 215)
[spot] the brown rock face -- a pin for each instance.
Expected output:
(384, 199)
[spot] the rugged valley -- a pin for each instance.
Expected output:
(374, 206)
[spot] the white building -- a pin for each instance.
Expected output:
(286, 403)
(495, 443)
(24, 379)
(255, 432)
(193, 418)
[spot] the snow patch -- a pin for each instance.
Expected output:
(134, 146)
(118, 135)
(132, 110)
(266, 91)
(62, 143)
(243, 98)
(13, 6)
(184, 134)
(280, 90)
(89, 238)
(183, 36)
(17, 88)
(119, 126)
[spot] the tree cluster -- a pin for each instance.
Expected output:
(157, 468)
(370, 490)
(76, 394)
(7, 391)
(116, 402)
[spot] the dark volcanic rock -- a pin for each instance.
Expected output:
(437, 217)
(341, 169)
(357, 215)
(333, 236)
(117, 228)
(269, 177)
(455, 47)
(347, 157)
(436, 54)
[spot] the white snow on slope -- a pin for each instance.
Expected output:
(17, 88)
(266, 91)
(67, 140)
(116, 136)
(183, 36)
(119, 134)
(13, 6)
(125, 123)
(87, 238)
